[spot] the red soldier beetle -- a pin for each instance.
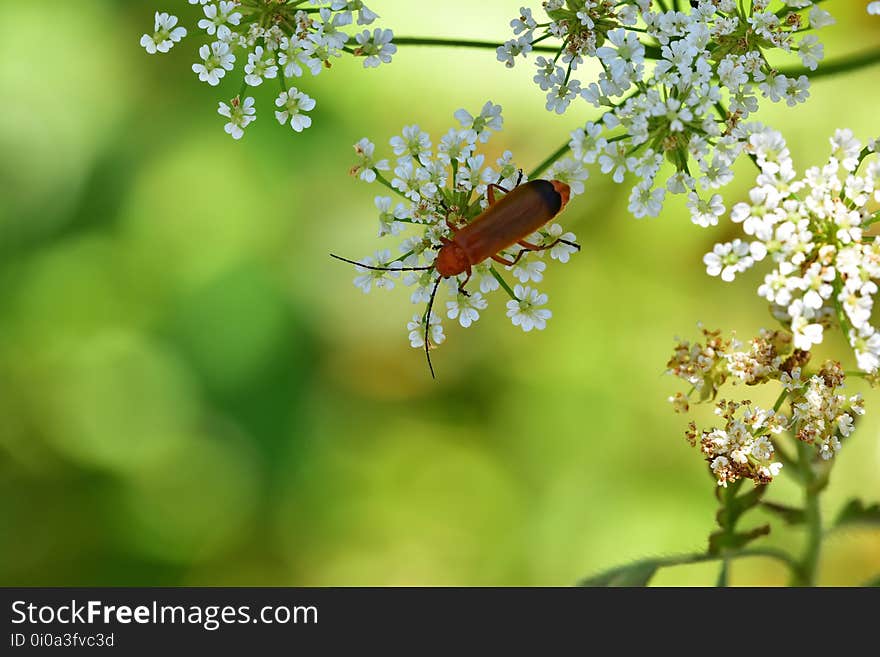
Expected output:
(505, 222)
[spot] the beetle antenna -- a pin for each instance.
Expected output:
(360, 264)
(428, 325)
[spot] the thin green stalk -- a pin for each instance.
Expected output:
(383, 180)
(498, 277)
(460, 43)
(727, 496)
(842, 65)
(651, 52)
(701, 557)
(809, 562)
(559, 152)
(780, 400)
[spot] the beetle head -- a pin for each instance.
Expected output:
(451, 260)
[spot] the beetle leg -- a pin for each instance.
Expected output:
(509, 263)
(534, 247)
(461, 285)
(490, 192)
(503, 261)
(448, 209)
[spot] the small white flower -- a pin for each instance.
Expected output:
(561, 251)
(416, 329)
(388, 218)
(529, 269)
(866, 345)
(645, 201)
(811, 51)
(524, 22)
(367, 167)
(562, 92)
(729, 259)
(874, 8)
(480, 127)
(466, 308)
(797, 91)
(166, 34)
(544, 77)
(413, 144)
(293, 103)
(570, 171)
(217, 59)
(376, 48)
(820, 18)
(347, 9)
(485, 279)
(845, 149)
(586, 143)
(705, 213)
(217, 16)
(805, 333)
(240, 115)
(380, 278)
(260, 65)
(525, 311)
(616, 160)
(510, 50)
(289, 51)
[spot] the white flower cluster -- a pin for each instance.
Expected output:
(275, 41)
(439, 188)
(743, 448)
(675, 85)
(820, 414)
(813, 229)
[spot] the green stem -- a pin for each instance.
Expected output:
(559, 152)
(809, 562)
(651, 52)
(460, 43)
(498, 277)
(780, 400)
(727, 496)
(771, 553)
(383, 180)
(701, 557)
(842, 65)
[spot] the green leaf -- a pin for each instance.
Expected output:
(746, 501)
(856, 513)
(733, 506)
(725, 540)
(790, 515)
(634, 574)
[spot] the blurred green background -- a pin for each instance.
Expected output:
(193, 393)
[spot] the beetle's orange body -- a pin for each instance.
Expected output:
(514, 217)
(518, 214)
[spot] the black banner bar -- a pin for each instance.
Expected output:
(128, 621)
